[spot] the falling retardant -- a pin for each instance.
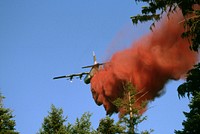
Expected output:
(149, 63)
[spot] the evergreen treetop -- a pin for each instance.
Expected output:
(7, 123)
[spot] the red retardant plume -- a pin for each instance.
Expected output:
(148, 64)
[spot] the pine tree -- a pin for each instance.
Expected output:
(83, 125)
(191, 88)
(131, 115)
(107, 126)
(54, 123)
(7, 123)
(155, 10)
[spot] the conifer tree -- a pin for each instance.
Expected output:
(7, 123)
(155, 9)
(54, 123)
(191, 88)
(82, 125)
(131, 115)
(108, 126)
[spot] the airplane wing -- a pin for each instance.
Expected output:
(70, 77)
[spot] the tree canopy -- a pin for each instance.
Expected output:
(83, 125)
(108, 126)
(54, 122)
(191, 88)
(155, 10)
(131, 114)
(7, 123)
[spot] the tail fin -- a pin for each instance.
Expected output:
(94, 58)
(95, 62)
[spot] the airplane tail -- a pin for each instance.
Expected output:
(94, 58)
(95, 62)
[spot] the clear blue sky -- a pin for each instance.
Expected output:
(40, 39)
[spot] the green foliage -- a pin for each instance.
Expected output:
(156, 8)
(147, 132)
(7, 124)
(192, 122)
(83, 125)
(192, 84)
(153, 11)
(108, 126)
(131, 116)
(192, 29)
(54, 122)
(191, 88)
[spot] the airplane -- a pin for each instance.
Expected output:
(94, 69)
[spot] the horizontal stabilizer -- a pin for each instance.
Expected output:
(97, 64)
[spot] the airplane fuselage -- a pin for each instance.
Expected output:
(91, 74)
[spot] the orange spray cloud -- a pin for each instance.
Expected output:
(148, 64)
